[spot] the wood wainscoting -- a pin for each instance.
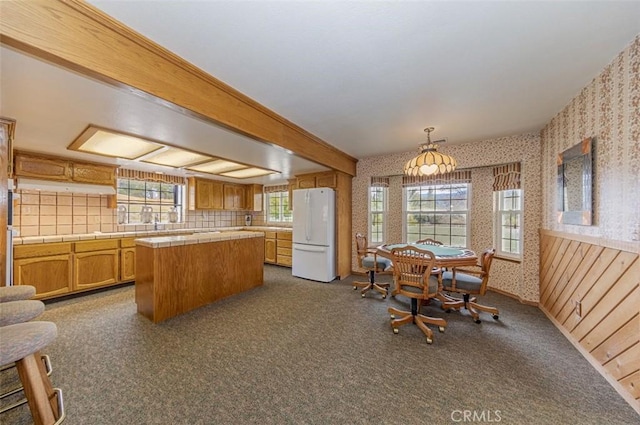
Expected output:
(590, 289)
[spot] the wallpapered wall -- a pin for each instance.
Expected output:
(607, 109)
(518, 279)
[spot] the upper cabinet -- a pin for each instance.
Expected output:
(234, 197)
(253, 197)
(208, 194)
(59, 169)
(309, 181)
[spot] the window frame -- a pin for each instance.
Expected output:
(159, 208)
(283, 217)
(498, 214)
(384, 213)
(466, 212)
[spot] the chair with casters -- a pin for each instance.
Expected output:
(413, 273)
(469, 282)
(429, 241)
(369, 260)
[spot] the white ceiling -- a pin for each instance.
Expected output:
(366, 77)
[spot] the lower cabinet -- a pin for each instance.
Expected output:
(96, 268)
(56, 269)
(50, 275)
(269, 249)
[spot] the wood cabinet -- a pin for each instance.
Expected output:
(270, 247)
(93, 173)
(234, 197)
(253, 197)
(47, 267)
(42, 168)
(324, 179)
(277, 248)
(283, 248)
(60, 169)
(96, 263)
(127, 259)
(208, 195)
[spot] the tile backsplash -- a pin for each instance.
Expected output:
(39, 213)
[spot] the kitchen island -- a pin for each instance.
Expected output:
(177, 274)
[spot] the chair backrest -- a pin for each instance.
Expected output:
(429, 241)
(412, 272)
(486, 258)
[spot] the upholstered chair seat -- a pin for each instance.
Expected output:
(465, 282)
(380, 263)
(16, 293)
(13, 312)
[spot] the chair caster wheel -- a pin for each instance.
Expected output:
(384, 297)
(429, 341)
(395, 330)
(496, 317)
(393, 317)
(441, 328)
(448, 310)
(362, 295)
(478, 321)
(355, 287)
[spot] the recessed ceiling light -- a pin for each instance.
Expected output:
(174, 157)
(216, 167)
(247, 172)
(107, 143)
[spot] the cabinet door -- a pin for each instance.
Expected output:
(45, 168)
(204, 191)
(306, 182)
(49, 275)
(128, 263)
(233, 197)
(269, 250)
(96, 268)
(93, 173)
(217, 196)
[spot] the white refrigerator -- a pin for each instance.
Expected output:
(314, 254)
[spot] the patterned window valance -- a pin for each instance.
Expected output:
(506, 177)
(379, 181)
(278, 188)
(149, 176)
(461, 176)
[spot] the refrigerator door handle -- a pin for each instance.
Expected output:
(310, 248)
(307, 227)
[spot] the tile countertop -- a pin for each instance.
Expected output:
(149, 233)
(196, 238)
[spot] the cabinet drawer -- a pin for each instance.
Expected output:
(284, 260)
(127, 242)
(98, 245)
(284, 236)
(284, 244)
(41, 250)
(284, 251)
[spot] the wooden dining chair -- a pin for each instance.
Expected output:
(469, 282)
(414, 278)
(429, 241)
(369, 260)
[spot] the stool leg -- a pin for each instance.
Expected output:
(38, 390)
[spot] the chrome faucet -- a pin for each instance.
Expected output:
(155, 222)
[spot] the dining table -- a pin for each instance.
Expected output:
(446, 256)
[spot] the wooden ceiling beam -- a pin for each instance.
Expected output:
(78, 36)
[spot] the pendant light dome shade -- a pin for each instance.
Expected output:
(429, 162)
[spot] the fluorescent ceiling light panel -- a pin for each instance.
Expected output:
(103, 142)
(216, 167)
(174, 157)
(246, 173)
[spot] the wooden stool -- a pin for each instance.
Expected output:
(16, 293)
(21, 343)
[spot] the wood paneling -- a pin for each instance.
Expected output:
(167, 285)
(78, 36)
(4, 148)
(591, 291)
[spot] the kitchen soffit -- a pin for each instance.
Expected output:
(112, 143)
